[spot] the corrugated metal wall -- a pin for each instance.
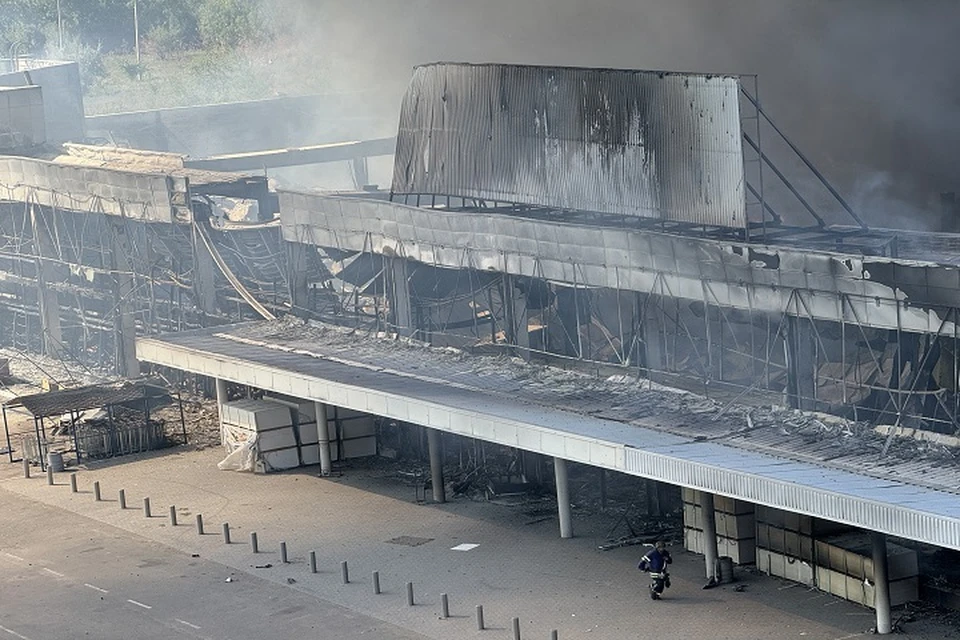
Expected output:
(640, 143)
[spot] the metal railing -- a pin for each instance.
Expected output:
(104, 443)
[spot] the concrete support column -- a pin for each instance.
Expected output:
(516, 319)
(436, 464)
(710, 552)
(881, 584)
(126, 326)
(651, 333)
(297, 262)
(801, 354)
(42, 225)
(563, 497)
(221, 397)
(205, 275)
(654, 508)
(397, 271)
(323, 439)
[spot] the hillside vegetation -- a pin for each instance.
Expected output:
(191, 51)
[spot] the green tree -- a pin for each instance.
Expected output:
(227, 23)
(22, 24)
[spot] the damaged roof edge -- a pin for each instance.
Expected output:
(914, 296)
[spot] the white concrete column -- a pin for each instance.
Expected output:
(710, 552)
(221, 397)
(881, 585)
(436, 464)
(563, 497)
(323, 439)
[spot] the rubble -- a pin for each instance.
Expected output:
(817, 437)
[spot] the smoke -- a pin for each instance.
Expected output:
(863, 86)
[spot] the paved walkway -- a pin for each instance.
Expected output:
(516, 569)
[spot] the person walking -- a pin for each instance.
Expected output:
(655, 561)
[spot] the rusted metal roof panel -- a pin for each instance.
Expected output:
(638, 143)
(54, 403)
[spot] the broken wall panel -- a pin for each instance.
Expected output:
(638, 143)
(883, 293)
(141, 197)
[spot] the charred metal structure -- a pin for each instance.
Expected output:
(628, 222)
(613, 218)
(619, 218)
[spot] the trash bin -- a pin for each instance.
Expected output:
(55, 460)
(725, 574)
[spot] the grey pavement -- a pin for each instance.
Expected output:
(520, 567)
(63, 575)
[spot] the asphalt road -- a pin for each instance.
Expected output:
(65, 576)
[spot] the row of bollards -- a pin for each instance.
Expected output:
(255, 547)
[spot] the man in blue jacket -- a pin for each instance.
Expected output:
(655, 561)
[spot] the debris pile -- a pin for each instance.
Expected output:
(814, 437)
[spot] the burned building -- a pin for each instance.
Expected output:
(621, 223)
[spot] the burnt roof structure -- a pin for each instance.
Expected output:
(57, 403)
(658, 145)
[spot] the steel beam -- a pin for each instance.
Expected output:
(296, 156)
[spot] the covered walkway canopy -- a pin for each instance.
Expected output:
(498, 403)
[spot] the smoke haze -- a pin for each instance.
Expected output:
(865, 87)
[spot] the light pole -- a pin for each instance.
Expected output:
(136, 30)
(59, 27)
